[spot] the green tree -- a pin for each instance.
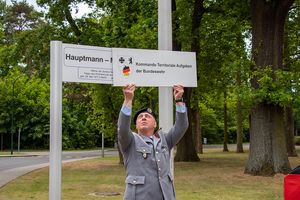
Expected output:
(78, 131)
(221, 25)
(18, 17)
(25, 98)
(268, 146)
(291, 63)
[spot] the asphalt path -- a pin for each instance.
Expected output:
(12, 167)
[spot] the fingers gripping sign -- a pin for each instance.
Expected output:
(178, 91)
(128, 92)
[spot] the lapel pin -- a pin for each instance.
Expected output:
(144, 155)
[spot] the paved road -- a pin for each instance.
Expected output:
(13, 167)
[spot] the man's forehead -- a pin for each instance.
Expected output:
(145, 113)
(143, 110)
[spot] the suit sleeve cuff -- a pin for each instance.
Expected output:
(126, 110)
(181, 108)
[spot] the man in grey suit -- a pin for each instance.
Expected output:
(147, 153)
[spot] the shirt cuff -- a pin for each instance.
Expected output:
(181, 108)
(126, 110)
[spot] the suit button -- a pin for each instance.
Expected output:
(158, 160)
(159, 169)
(134, 181)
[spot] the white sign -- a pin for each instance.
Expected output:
(120, 66)
(87, 64)
(154, 67)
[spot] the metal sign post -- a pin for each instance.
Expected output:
(165, 43)
(55, 121)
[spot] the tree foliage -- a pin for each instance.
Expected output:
(90, 110)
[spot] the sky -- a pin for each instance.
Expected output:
(31, 2)
(83, 8)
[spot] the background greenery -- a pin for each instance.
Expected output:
(89, 109)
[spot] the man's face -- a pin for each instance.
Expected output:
(145, 122)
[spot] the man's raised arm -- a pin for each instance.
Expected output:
(124, 133)
(181, 122)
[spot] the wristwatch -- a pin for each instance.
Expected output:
(179, 100)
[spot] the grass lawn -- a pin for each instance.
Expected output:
(218, 176)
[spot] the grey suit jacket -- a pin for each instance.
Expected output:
(147, 165)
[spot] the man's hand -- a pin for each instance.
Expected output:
(128, 91)
(178, 91)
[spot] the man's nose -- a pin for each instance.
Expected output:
(144, 117)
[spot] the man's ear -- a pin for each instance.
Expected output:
(155, 124)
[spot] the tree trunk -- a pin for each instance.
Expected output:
(186, 150)
(225, 141)
(289, 128)
(267, 135)
(239, 118)
(267, 148)
(196, 20)
(197, 130)
(176, 44)
(69, 18)
(200, 134)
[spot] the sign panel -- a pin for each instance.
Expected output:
(86, 64)
(154, 67)
(119, 66)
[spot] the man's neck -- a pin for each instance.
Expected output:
(146, 133)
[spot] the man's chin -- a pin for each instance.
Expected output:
(144, 129)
